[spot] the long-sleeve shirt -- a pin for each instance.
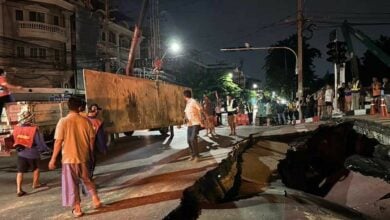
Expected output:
(38, 146)
(100, 138)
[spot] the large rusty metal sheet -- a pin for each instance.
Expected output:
(131, 103)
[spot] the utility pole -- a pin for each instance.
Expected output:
(300, 51)
(105, 29)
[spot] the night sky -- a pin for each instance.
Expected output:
(208, 25)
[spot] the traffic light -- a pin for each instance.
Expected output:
(341, 52)
(337, 52)
(332, 52)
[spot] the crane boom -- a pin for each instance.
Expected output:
(135, 39)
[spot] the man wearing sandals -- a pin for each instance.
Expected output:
(28, 144)
(75, 136)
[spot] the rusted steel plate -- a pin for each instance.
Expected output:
(131, 103)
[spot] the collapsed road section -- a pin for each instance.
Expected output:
(338, 171)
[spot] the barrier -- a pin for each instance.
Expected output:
(383, 108)
(242, 119)
(372, 109)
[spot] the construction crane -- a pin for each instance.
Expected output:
(347, 31)
(136, 36)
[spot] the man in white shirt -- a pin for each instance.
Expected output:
(193, 115)
(329, 95)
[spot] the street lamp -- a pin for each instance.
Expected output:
(174, 47)
(248, 48)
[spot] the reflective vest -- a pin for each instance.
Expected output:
(3, 91)
(230, 105)
(355, 86)
(96, 123)
(24, 135)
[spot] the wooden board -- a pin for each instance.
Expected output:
(131, 103)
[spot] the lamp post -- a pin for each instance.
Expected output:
(264, 48)
(174, 47)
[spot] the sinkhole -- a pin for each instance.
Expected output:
(336, 171)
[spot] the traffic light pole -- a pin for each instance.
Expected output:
(264, 48)
(300, 52)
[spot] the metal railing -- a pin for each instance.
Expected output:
(41, 26)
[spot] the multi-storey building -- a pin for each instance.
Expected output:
(36, 41)
(46, 43)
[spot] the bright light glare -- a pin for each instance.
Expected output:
(283, 101)
(230, 75)
(175, 47)
(254, 86)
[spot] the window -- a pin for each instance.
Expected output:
(57, 55)
(33, 52)
(20, 51)
(42, 53)
(37, 16)
(111, 37)
(19, 15)
(56, 20)
(103, 36)
(124, 43)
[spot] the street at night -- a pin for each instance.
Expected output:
(142, 177)
(206, 109)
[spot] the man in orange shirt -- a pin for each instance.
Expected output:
(100, 140)
(75, 136)
(5, 95)
(193, 115)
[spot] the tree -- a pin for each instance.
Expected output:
(207, 81)
(280, 67)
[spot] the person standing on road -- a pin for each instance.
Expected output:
(74, 135)
(321, 103)
(28, 143)
(5, 95)
(386, 92)
(100, 140)
(348, 97)
(192, 112)
(231, 108)
(329, 95)
(341, 97)
(376, 93)
(218, 111)
(280, 109)
(209, 114)
(355, 94)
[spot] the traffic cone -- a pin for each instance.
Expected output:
(372, 110)
(384, 108)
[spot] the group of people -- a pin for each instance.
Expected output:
(352, 95)
(194, 112)
(78, 137)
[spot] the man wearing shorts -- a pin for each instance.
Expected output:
(28, 143)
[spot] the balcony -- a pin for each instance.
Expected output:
(39, 30)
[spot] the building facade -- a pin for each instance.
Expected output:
(36, 42)
(47, 43)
